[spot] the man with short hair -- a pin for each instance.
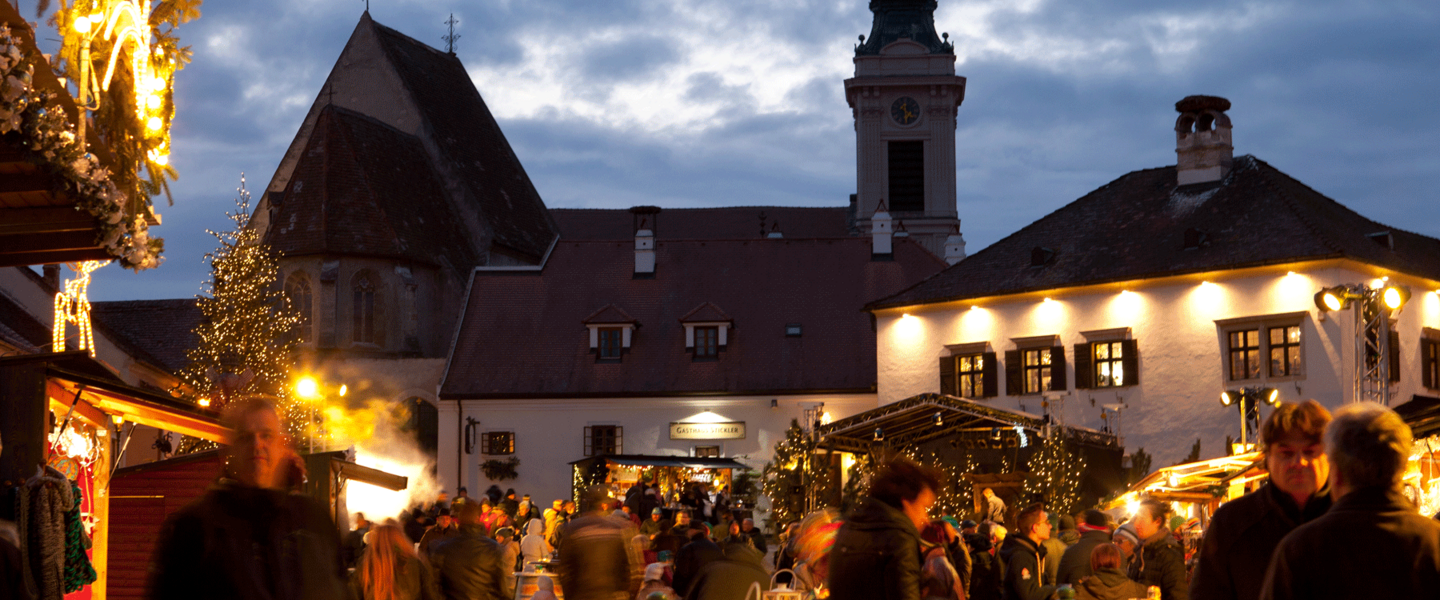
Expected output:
(756, 537)
(876, 555)
(1372, 543)
(510, 506)
(248, 536)
(470, 566)
(1094, 528)
(1159, 560)
(1024, 555)
(1244, 532)
(994, 506)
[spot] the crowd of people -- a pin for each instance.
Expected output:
(1329, 523)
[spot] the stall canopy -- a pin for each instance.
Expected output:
(926, 417)
(689, 462)
(1422, 414)
(1221, 478)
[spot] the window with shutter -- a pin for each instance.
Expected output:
(1084, 375)
(497, 442)
(603, 439)
(1131, 361)
(970, 375)
(1039, 370)
(989, 376)
(1263, 349)
(1057, 369)
(1430, 363)
(947, 375)
(1014, 374)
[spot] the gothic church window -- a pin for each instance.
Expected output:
(297, 290)
(363, 309)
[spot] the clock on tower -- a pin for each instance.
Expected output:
(904, 98)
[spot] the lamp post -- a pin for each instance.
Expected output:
(1373, 306)
(1248, 401)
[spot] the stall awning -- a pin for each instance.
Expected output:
(1422, 414)
(690, 462)
(1198, 481)
(913, 421)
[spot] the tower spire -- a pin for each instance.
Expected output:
(450, 37)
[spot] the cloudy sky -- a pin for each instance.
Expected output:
(687, 103)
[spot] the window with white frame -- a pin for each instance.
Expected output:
(1269, 347)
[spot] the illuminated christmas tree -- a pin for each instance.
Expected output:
(1055, 474)
(249, 330)
(790, 479)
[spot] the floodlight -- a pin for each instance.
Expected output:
(1330, 299)
(1227, 398)
(1272, 397)
(1395, 296)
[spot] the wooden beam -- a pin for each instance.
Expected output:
(19, 221)
(100, 510)
(50, 257)
(34, 242)
(357, 472)
(19, 183)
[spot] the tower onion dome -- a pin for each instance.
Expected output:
(903, 19)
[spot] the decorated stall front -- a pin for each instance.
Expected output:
(66, 420)
(672, 474)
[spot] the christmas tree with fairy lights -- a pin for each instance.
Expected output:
(249, 331)
(1055, 475)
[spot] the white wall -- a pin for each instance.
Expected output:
(1173, 321)
(549, 434)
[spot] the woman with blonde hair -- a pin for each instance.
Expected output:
(390, 570)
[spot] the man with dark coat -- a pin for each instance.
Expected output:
(1372, 543)
(756, 537)
(731, 577)
(1244, 532)
(470, 566)
(693, 557)
(248, 537)
(1024, 555)
(445, 529)
(354, 544)
(598, 560)
(510, 506)
(1094, 530)
(652, 524)
(1159, 561)
(987, 571)
(876, 555)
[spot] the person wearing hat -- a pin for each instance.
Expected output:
(655, 583)
(1126, 538)
(445, 528)
(1056, 546)
(1094, 529)
(694, 556)
(651, 526)
(597, 559)
(510, 551)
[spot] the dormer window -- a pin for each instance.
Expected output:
(610, 330)
(707, 331)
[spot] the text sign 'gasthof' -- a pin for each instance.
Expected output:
(708, 431)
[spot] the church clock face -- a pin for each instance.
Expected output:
(905, 110)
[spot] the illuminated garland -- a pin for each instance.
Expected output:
(35, 122)
(1055, 475)
(248, 322)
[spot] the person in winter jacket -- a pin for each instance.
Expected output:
(1128, 541)
(390, 570)
(1244, 532)
(510, 554)
(740, 569)
(987, 568)
(877, 550)
(444, 529)
(693, 557)
(1024, 555)
(545, 589)
(248, 537)
(1106, 582)
(1160, 560)
(1056, 546)
(1372, 543)
(939, 579)
(597, 560)
(470, 566)
(655, 583)
(1074, 564)
(533, 547)
(994, 507)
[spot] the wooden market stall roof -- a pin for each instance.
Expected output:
(37, 224)
(1198, 481)
(926, 417)
(1422, 414)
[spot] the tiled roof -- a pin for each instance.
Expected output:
(730, 223)
(363, 187)
(1136, 227)
(21, 329)
(154, 331)
(607, 315)
(706, 313)
(521, 334)
(468, 137)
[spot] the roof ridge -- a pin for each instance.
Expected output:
(1267, 171)
(678, 208)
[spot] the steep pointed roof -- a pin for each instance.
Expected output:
(608, 315)
(470, 142)
(707, 312)
(1136, 227)
(364, 188)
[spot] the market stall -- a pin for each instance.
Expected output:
(672, 474)
(1422, 479)
(66, 421)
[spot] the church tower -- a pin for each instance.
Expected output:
(904, 97)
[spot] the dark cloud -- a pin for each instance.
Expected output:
(1063, 97)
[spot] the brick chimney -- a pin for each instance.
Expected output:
(644, 252)
(1202, 140)
(880, 231)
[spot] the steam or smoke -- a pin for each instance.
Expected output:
(377, 434)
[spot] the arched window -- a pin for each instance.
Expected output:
(297, 290)
(363, 310)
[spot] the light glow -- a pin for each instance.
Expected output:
(72, 305)
(82, 25)
(307, 388)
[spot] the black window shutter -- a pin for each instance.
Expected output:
(589, 451)
(1057, 368)
(1130, 361)
(619, 439)
(1394, 355)
(485, 443)
(1427, 357)
(947, 376)
(1084, 367)
(989, 378)
(1014, 373)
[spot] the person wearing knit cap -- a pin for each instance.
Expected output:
(1126, 538)
(654, 582)
(1094, 529)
